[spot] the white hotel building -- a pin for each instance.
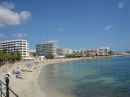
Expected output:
(45, 49)
(16, 45)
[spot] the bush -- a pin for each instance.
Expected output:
(71, 56)
(9, 56)
(49, 56)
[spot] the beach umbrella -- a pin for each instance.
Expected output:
(17, 72)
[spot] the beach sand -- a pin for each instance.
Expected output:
(28, 86)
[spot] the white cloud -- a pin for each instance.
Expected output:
(7, 5)
(121, 4)
(9, 17)
(2, 35)
(108, 27)
(25, 15)
(19, 35)
(52, 41)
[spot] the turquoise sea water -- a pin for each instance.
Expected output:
(108, 77)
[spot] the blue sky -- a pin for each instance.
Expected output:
(73, 23)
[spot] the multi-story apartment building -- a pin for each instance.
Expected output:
(16, 45)
(60, 51)
(67, 51)
(47, 48)
(103, 51)
(64, 51)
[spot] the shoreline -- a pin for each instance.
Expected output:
(29, 86)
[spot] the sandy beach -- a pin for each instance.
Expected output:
(27, 85)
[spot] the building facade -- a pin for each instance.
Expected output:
(47, 48)
(67, 51)
(21, 46)
(60, 52)
(103, 51)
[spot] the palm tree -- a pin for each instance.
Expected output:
(1, 58)
(6, 56)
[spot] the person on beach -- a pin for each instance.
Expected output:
(7, 79)
(7, 84)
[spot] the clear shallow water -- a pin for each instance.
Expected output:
(108, 77)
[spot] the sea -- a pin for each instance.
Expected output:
(101, 77)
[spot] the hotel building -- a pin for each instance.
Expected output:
(103, 51)
(47, 48)
(16, 45)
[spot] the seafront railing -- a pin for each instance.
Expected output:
(4, 93)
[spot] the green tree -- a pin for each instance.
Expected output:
(49, 56)
(3, 56)
(127, 51)
(16, 56)
(111, 52)
(71, 56)
(9, 56)
(34, 54)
